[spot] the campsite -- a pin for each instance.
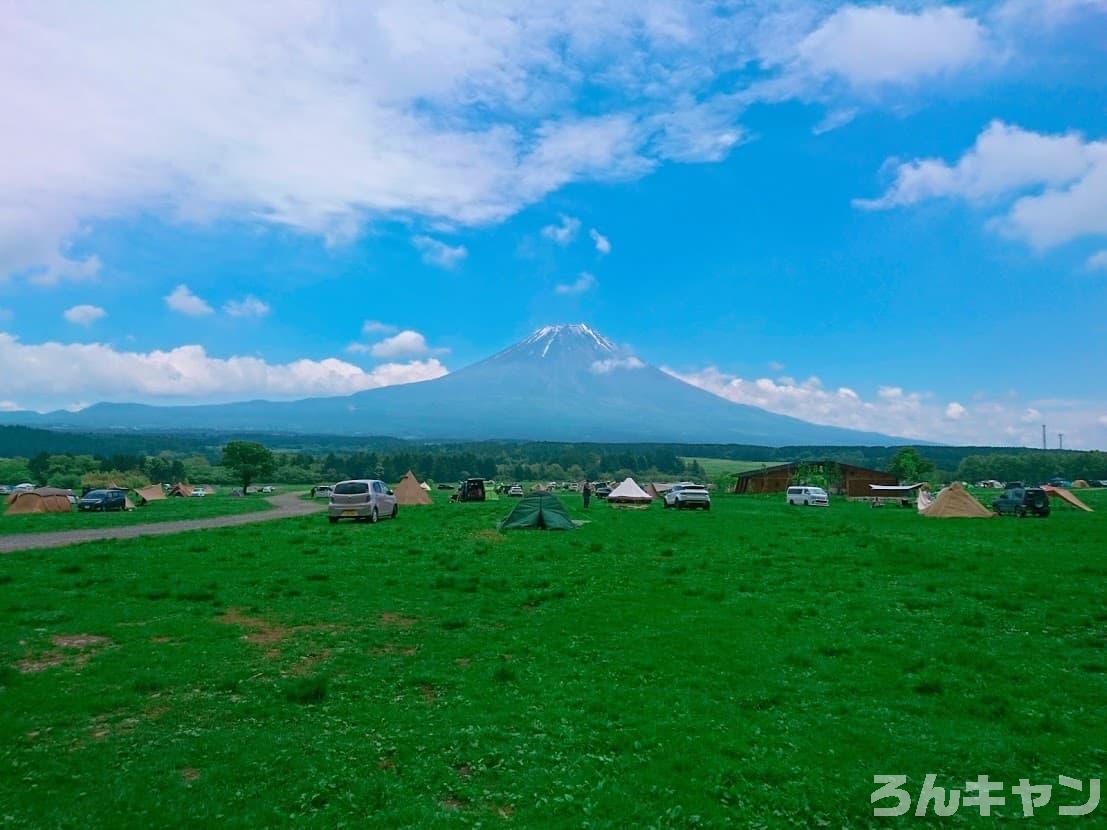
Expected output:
(438, 671)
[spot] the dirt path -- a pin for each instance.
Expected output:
(285, 506)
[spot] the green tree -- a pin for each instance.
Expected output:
(248, 460)
(908, 466)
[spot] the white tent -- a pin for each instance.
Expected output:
(425, 486)
(629, 493)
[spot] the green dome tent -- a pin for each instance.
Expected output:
(540, 510)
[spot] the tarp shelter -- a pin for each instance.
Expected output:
(408, 491)
(903, 493)
(629, 493)
(152, 493)
(540, 510)
(180, 490)
(41, 500)
(1065, 496)
(657, 490)
(955, 502)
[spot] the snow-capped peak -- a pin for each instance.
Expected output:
(547, 335)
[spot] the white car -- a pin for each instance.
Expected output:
(808, 496)
(687, 495)
(515, 490)
(199, 492)
(267, 489)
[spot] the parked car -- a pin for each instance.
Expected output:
(322, 491)
(101, 501)
(1057, 481)
(268, 488)
(602, 491)
(808, 496)
(5, 489)
(24, 487)
(472, 489)
(1022, 501)
(363, 499)
(198, 492)
(515, 490)
(687, 495)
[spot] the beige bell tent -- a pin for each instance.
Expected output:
(629, 493)
(408, 491)
(41, 500)
(1079, 484)
(955, 502)
(1065, 496)
(145, 495)
(180, 490)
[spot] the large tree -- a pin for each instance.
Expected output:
(908, 466)
(248, 460)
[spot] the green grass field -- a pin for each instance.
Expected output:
(169, 510)
(753, 666)
(715, 467)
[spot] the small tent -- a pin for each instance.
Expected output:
(180, 490)
(540, 510)
(408, 491)
(425, 486)
(41, 500)
(1065, 496)
(955, 502)
(148, 494)
(629, 493)
(1079, 484)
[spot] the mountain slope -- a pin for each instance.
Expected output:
(563, 383)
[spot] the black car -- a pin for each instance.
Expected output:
(102, 500)
(1022, 501)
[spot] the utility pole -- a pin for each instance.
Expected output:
(1043, 437)
(1060, 440)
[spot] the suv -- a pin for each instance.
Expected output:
(1022, 501)
(687, 494)
(363, 499)
(808, 496)
(102, 500)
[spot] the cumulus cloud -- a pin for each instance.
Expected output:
(602, 243)
(1097, 261)
(83, 315)
(436, 252)
(1051, 188)
(894, 410)
(377, 327)
(564, 232)
(55, 374)
(182, 300)
(585, 282)
(611, 364)
(404, 343)
(248, 306)
(872, 45)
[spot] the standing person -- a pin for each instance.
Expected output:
(586, 493)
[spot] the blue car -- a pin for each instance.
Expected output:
(102, 501)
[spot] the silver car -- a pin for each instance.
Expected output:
(363, 499)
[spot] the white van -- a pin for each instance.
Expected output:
(808, 496)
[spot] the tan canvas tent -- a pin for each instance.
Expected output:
(152, 493)
(1065, 496)
(408, 491)
(955, 502)
(180, 490)
(629, 493)
(1079, 484)
(42, 500)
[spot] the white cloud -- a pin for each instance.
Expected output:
(564, 232)
(1102, 420)
(602, 243)
(55, 374)
(10, 406)
(775, 366)
(585, 282)
(404, 343)
(84, 315)
(611, 364)
(248, 306)
(1053, 187)
(873, 45)
(436, 252)
(182, 300)
(894, 410)
(377, 327)
(1097, 261)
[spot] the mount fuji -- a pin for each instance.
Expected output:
(562, 383)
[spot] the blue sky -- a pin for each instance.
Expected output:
(892, 217)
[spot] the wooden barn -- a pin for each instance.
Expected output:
(844, 479)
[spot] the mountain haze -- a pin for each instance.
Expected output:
(562, 383)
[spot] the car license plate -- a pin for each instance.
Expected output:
(348, 512)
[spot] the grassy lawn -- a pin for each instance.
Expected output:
(753, 666)
(170, 510)
(716, 467)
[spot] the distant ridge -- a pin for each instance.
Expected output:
(561, 383)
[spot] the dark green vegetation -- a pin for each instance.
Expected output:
(749, 667)
(170, 510)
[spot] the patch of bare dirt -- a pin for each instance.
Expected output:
(189, 774)
(489, 536)
(452, 804)
(391, 620)
(43, 662)
(386, 762)
(309, 661)
(465, 771)
(73, 650)
(260, 632)
(392, 648)
(462, 662)
(80, 641)
(429, 693)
